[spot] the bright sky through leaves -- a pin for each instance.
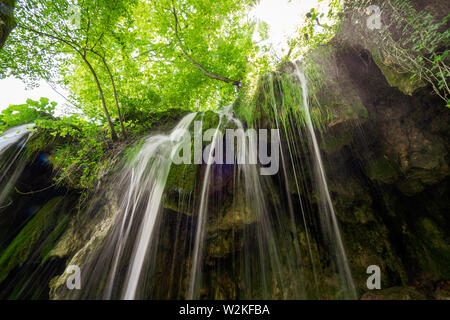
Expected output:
(14, 91)
(284, 17)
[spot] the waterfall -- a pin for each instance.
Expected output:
(13, 135)
(12, 144)
(159, 149)
(265, 267)
(327, 212)
(147, 173)
(253, 234)
(275, 266)
(202, 211)
(123, 261)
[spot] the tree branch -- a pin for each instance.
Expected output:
(87, 32)
(105, 63)
(237, 83)
(84, 58)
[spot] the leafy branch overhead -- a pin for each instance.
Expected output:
(44, 40)
(195, 63)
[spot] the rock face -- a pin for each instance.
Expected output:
(388, 168)
(34, 216)
(394, 293)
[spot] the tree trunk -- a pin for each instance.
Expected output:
(115, 96)
(7, 22)
(102, 96)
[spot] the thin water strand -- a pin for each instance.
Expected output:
(342, 264)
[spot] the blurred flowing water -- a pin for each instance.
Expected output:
(326, 209)
(214, 230)
(236, 234)
(12, 144)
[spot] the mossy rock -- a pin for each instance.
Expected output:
(410, 187)
(182, 177)
(25, 243)
(381, 169)
(85, 236)
(442, 291)
(394, 293)
(432, 251)
(404, 81)
(131, 151)
(369, 244)
(332, 89)
(209, 119)
(233, 214)
(333, 143)
(222, 244)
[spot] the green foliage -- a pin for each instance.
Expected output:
(135, 44)
(52, 36)
(410, 41)
(319, 28)
(44, 39)
(79, 149)
(77, 146)
(279, 97)
(29, 112)
(221, 46)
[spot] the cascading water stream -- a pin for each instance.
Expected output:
(13, 135)
(328, 215)
(126, 251)
(156, 182)
(290, 140)
(202, 212)
(17, 136)
(270, 266)
(267, 257)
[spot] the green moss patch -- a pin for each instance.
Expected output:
(26, 242)
(381, 169)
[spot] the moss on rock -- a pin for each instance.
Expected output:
(404, 81)
(333, 143)
(382, 169)
(24, 244)
(394, 293)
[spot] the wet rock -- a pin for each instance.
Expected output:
(84, 237)
(404, 81)
(381, 169)
(394, 293)
(442, 291)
